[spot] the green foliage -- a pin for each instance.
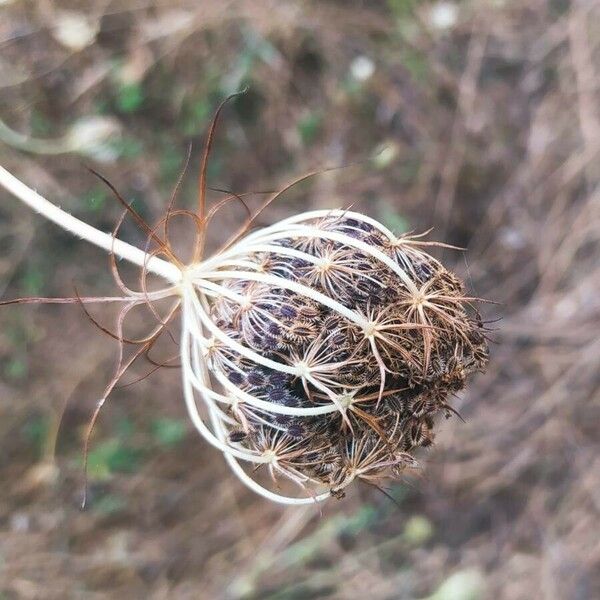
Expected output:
(94, 200)
(127, 147)
(102, 106)
(171, 162)
(168, 432)
(402, 9)
(113, 456)
(118, 454)
(217, 164)
(35, 431)
(19, 333)
(195, 116)
(130, 97)
(309, 127)
(124, 452)
(32, 281)
(16, 368)
(416, 63)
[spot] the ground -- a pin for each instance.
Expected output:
(477, 118)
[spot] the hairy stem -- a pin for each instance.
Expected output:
(86, 232)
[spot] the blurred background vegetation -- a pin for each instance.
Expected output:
(479, 118)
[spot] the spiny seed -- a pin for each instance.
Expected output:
(301, 331)
(256, 378)
(237, 378)
(237, 435)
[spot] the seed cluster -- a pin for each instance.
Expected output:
(363, 329)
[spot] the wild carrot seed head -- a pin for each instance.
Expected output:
(366, 332)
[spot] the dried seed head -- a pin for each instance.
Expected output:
(337, 346)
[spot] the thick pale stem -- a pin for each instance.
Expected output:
(86, 232)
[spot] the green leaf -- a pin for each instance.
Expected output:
(196, 117)
(171, 162)
(130, 97)
(416, 63)
(15, 368)
(168, 432)
(95, 199)
(402, 9)
(308, 127)
(33, 281)
(36, 431)
(127, 147)
(111, 457)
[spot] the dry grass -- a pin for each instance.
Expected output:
(492, 134)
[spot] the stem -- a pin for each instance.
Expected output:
(86, 232)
